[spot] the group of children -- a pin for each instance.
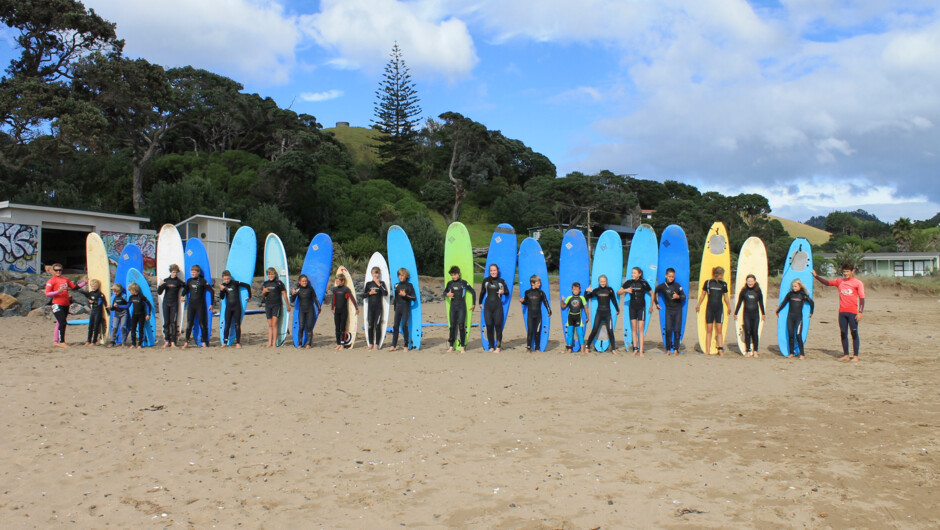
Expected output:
(129, 314)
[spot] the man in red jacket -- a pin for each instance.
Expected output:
(57, 288)
(851, 307)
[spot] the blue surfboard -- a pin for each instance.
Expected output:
(242, 254)
(150, 327)
(574, 265)
(608, 261)
(402, 256)
(799, 266)
(674, 253)
(644, 253)
(502, 253)
(196, 255)
(532, 262)
(130, 258)
(318, 265)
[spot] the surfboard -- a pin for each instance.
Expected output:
(169, 252)
(799, 266)
(318, 265)
(352, 323)
(574, 265)
(150, 326)
(608, 261)
(532, 262)
(275, 256)
(401, 256)
(459, 252)
(644, 253)
(716, 253)
(674, 253)
(751, 260)
(377, 260)
(130, 258)
(96, 261)
(242, 255)
(196, 255)
(502, 253)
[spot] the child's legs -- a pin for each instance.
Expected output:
(569, 336)
(339, 319)
(535, 327)
(580, 331)
(61, 314)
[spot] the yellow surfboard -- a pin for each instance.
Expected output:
(716, 253)
(751, 260)
(96, 259)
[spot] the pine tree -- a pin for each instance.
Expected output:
(396, 109)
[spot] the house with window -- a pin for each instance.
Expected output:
(897, 264)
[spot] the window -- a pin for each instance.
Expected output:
(192, 230)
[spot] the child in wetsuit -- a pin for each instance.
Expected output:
(606, 298)
(851, 307)
(119, 315)
(273, 292)
(794, 301)
(578, 314)
(170, 288)
(673, 296)
(533, 300)
(342, 296)
(457, 290)
(404, 297)
(492, 292)
(97, 305)
(715, 291)
(230, 290)
(752, 299)
(57, 288)
(637, 288)
(308, 306)
(200, 292)
(140, 314)
(375, 292)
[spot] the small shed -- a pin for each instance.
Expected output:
(215, 235)
(32, 235)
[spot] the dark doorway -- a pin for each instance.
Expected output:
(64, 246)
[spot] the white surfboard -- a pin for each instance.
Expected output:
(377, 260)
(170, 252)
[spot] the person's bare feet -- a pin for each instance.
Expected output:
(224, 345)
(844, 358)
(60, 344)
(855, 359)
(615, 353)
(801, 357)
(392, 348)
(307, 347)
(756, 355)
(641, 354)
(238, 346)
(184, 346)
(166, 344)
(450, 349)
(140, 347)
(497, 350)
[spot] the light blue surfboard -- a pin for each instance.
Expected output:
(150, 327)
(130, 258)
(532, 262)
(275, 256)
(799, 266)
(644, 253)
(318, 265)
(402, 256)
(242, 254)
(502, 253)
(196, 255)
(674, 252)
(608, 261)
(574, 265)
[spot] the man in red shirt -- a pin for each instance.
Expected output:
(851, 307)
(57, 288)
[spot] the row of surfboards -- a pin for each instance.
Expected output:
(575, 265)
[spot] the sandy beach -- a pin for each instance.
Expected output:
(290, 438)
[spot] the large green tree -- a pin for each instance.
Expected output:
(397, 109)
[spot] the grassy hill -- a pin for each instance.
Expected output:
(814, 235)
(360, 142)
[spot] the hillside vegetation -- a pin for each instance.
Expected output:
(796, 229)
(359, 141)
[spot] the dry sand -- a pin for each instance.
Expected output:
(97, 437)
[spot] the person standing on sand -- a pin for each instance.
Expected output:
(492, 291)
(672, 295)
(851, 307)
(374, 293)
(603, 317)
(57, 288)
(198, 289)
(171, 287)
(794, 300)
(305, 299)
(404, 297)
(457, 289)
(637, 288)
(752, 299)
(273, 291)
(340, 306)
(715, 291)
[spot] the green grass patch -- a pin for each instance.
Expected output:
(360, 142)
(814, 235)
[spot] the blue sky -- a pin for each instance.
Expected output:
(817, 104)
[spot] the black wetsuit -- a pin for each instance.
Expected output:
(795, 301)
(673, 323)
(714, 306)
(493, 314)
(458, 310)
(402, 305)
(199, 291)
(272, 299)
(140, 310)
(97, 305)
(374, 304)
(637, 307)
(307, 306)
(231, 293)
(606, 298)
(533, 299)
(753, 301)
(171, 289)
(340, 304)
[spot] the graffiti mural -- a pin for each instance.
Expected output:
(19, 247)
(114, 243)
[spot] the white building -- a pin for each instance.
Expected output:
(214, 234)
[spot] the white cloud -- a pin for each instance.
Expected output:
(321, 96)
(362, 32)
(252, 39)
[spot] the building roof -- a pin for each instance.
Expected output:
(225, 219)
(887, 255)
(96, 213)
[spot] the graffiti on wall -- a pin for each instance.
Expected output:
(114, 243)
(19, 247)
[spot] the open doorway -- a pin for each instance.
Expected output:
(64, 246)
